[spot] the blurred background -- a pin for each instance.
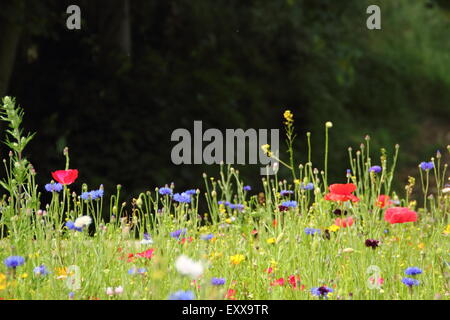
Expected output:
(116, 89)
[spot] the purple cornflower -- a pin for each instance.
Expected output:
(207, 236)
(71, 226)
(426, 166)
(312, 231)
(176, 234)
(375, 169)
(183, 197)
(182, 295)
(410, 282)
(135, 270)
(308, 186)
(92, 195)
(71, 295)
(53, 187)
(413, 271)
(321, 291)
(165, 191)
(14, 261)
(289, 204)
(225, 203)
(190, 192)
(237, 206)
(218, 281)
(247, 188)
(349, 173)
(286, 192)
(41, 270)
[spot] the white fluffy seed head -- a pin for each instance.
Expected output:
(188, 267)
(83, 221)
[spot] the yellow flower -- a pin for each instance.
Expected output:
(447, 230)
(228, 221)
(421, 245)
(237, 259)
(288, 116)
(2, 281)
(61, 272)
(297, 181)
(24, 275)
(214, 255)
(334, 228)
(348, 250)
(271, 240)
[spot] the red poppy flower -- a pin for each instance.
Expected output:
(65, 177)
(269, 270)
(294, 281)
(147, 254)
(383, 201)
(400, 215)
(278, 282)
(183, 241)
(341, 192)
(274, 222)
(230, 294)
(344, 223)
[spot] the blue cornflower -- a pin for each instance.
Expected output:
(321, 291)
(375, 169)
(14, 261)
(237, 206)
(218, 281)
(426, 165)
(92, 195)
(178, 233)
(190, 192)
(412, 271)
(134, 270)
(286, 192)
(71, 295)
(225, 203)
(247, 188)
(182, 295)
(312, 231)
(207, 236)
(165, 191)
(289, 204)
(71, 226)
(410, 282)
(41, 270)
(308, 186)
(53, 187)
(183, 197)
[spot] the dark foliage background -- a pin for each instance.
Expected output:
(114, 97)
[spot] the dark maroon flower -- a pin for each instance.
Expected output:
(372, 243)
(283, 208)
(339, 212)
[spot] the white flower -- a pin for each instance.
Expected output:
(83, 221)
(118, 290)
(146, 241)
(109, 291)
(188, 267)
(446, 190)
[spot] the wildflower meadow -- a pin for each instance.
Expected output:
(294, 237)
